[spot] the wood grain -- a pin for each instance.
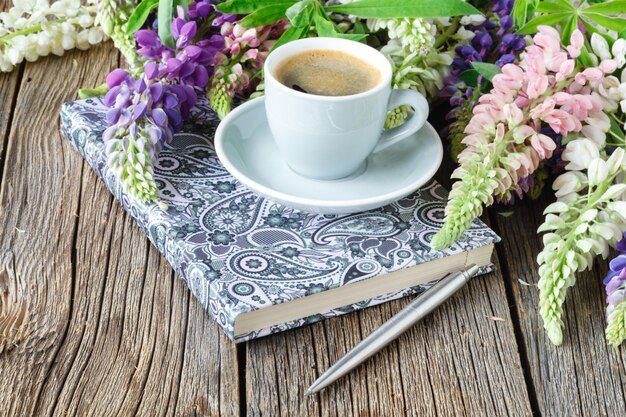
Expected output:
(39, 196)
(112, 330)
(9, 83)
(585, 376)
(461, 360)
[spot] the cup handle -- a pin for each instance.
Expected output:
(415, 123)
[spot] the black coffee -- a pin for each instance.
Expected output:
(327, 73)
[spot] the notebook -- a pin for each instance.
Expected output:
(258, 267)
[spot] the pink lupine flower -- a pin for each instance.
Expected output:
(577, 42)
(505, 143)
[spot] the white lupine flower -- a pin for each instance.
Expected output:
(619, 52)
(463, 34)
(95, 36)
(569, 182)
(85, 21)
(597, 172)
(65, 24)
(556, 207)
(600, 47)
(579, 153)
(615, 191)
(596, 135)
(608, 90)
(473, 19)
(415, 34)
(5, 64)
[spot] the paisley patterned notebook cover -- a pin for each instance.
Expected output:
(238, 252)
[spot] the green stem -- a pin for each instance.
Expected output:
(452, 29)
(26, 31)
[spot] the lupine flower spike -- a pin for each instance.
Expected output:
(589, 215)
(31, 29)
(147, 110)
(615, 282)
(241, 60)
(504, 138)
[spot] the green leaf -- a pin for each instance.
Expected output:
(615, 129)
(546, 19)
(612, 7)
(548, 7)
(291, 34)
(523, 11)
(326, 28)
(301, 13)
(404, 8)
(585, 58)
(101, 90)
(166, 10)
(567, 29)
(359, 27)
(569, 137)
(249, 6)
(140, 15)
(323, 26)
(265, 16)
(182, 3)
(565, 3)
(593, 29)
(470, 77)
(486, 69)
(612, 23)
(358, 37)
(623, 34)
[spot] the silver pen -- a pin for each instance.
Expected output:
(398, 324)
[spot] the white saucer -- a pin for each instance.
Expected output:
(247, 150)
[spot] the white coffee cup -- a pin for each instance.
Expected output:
(330, 137)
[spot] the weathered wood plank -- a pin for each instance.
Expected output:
(9, 83)
(585, 376)
(8, 93)
(138, 343)
(39, 198)
(459, 361)
(108, 329)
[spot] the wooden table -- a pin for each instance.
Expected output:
(94, 322)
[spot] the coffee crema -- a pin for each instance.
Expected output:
(327, 73)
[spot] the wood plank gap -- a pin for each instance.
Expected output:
(489, 382)
(174, 390)
(241, 364)
(432, 390)
(277, 385)
(125, 217)
(306, 386)
(152, 348)
(517, 328)
(100, 302)
(4, 144)
(71, 300)
(456, 372)
(183, 342)
(572, 324)
(397, 346)
(359, 328)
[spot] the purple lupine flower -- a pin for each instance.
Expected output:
(191, 61)
(615, 285)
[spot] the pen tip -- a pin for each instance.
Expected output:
(308, 392)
